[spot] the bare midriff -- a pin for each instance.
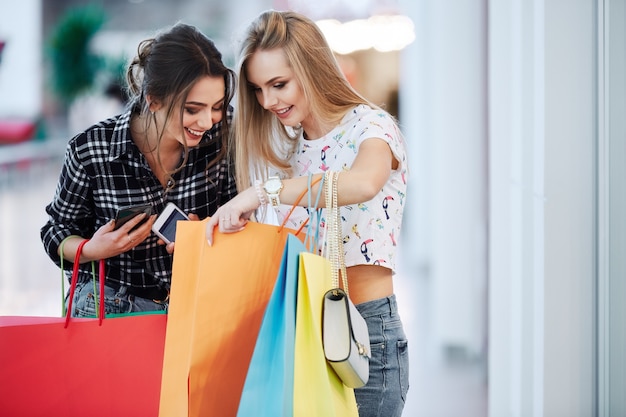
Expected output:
(369, 282)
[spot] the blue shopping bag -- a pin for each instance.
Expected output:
(268, 389)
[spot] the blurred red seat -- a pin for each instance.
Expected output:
(15, 131)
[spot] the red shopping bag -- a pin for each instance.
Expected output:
(86, 369)
(57, 366)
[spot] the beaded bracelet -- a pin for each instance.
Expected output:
(259, 192)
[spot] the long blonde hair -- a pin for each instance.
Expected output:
(260, 140)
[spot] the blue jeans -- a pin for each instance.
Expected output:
(385, 392)
(115, 302)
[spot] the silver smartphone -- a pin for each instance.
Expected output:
(165, 225)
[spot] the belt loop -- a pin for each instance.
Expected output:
(393, 306)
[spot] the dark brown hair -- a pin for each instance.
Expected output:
(167, 67)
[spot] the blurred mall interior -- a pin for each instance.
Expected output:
(511, 285)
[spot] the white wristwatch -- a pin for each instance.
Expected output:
(272, 188)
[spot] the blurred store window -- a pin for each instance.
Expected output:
(3, 43)
(367, 38)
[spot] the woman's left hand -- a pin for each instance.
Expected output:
(234, 215)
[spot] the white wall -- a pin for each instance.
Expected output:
(516, 207)
(570, 268)
(21, 66)
(542, 240)
(446, 134)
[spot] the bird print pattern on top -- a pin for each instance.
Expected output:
(370, 230)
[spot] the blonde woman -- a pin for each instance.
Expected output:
(297, 115)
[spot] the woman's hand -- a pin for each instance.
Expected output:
(108, 242)
(170, 246)
(234, 215)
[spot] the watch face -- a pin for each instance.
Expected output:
(273, 185)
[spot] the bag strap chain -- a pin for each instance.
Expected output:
(333, 229)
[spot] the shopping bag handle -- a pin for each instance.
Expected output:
(74, 283)
(315, 213)
(295, 204)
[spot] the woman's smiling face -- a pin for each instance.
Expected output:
(276, 87)
(202, 109)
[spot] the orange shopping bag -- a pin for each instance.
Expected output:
(217, 301)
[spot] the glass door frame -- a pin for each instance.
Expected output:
(611, 208)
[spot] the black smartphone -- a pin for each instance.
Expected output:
(124, 214)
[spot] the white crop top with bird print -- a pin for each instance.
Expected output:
(371, 229)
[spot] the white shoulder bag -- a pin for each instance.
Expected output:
(344, 330)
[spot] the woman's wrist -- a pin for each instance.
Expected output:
(69, 247)
(260, 193)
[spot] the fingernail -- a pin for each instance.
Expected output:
(209, 242)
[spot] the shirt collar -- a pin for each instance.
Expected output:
(122, 145)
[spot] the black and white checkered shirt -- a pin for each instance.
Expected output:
(104, 170)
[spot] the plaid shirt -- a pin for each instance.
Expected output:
(104, 170)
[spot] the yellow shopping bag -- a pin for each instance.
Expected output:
(318, 391)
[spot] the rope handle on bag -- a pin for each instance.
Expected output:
(315, 216)
(62, 257)
(334, 242)
(295, 204)
(61, 249)
(74, 282)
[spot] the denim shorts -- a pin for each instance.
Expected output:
(115, 301)
(384, 394)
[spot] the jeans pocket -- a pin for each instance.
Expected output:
(403, 363)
